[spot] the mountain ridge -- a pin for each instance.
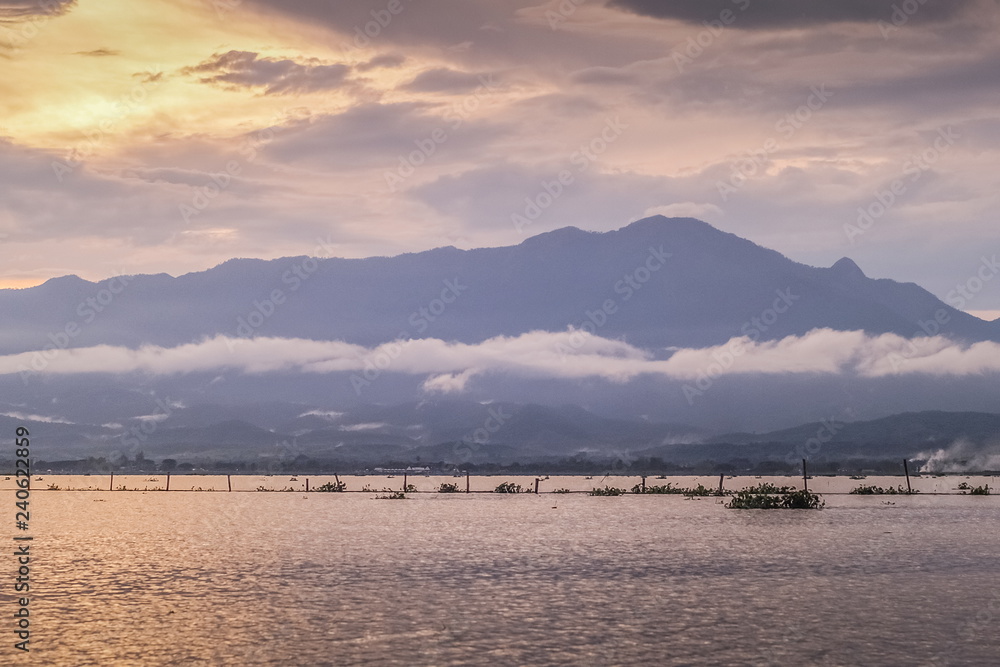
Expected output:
(699, 290)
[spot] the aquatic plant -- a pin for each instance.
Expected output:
(670, 489)
(410, 488)
(448, 488)
(661, 488)
(872, 490)
(395, 495)
(53, 487)
(701, 490)
(562, 491)
(767, 487)
(608, 491)
(974, 490)
(332, 487)
(508, 487)
(750, 499)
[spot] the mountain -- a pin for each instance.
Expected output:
(674, 282)
(932, 428)
(447, 429)
(655, 284)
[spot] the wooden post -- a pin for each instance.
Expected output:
(337, 477)
(466, 481)
(722, 476)
(307, 485)
(229, 481)
(111, 486)
(644, 484)
(168, 481)
(536, 486)
(906, 471)
(805, 476)
(404, 482)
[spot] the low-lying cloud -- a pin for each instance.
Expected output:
(568, 355)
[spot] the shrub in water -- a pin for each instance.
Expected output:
(448, 488)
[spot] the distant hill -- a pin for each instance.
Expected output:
(458, 432)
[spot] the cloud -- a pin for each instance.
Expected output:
(388, 60)
(787, 13)
(566, 355)
(380, 135)
(246, 69)
(444, 80)
(103, 52)
(20, 10)
(35, 418)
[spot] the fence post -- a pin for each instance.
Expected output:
(805, 476)
(906, 471)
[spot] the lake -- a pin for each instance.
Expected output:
(174, 578)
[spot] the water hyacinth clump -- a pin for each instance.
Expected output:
(754, 498)
(508, 487)
(608, 491)
(668, 488)
(767, 487)
(448, 488)
(702, 490)
(872, 490)
(332, 487)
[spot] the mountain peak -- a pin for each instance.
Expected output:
(846, 268)
(559, 236)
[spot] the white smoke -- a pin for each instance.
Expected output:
(962, 456)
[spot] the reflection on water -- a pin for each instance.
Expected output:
(154, 578)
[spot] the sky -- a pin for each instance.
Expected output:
(172, 135)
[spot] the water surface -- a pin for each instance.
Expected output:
(157, 578)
